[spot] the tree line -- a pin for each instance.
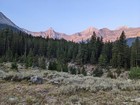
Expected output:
(33, 51)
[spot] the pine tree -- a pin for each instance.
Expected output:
(52, 65)
(107, 51)
(79, 57)
(103, 60)
(83, 71)
(42, 63)
(29, 59)
(93, 57)
(120, 53)
(36, 61)
(135, 53)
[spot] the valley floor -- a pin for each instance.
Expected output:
(61, 88)
(23, 94)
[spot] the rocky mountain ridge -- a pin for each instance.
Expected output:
(107, 34)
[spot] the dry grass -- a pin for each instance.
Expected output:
(69, 90)
(27, 94)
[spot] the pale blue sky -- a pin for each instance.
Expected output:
(70, 16)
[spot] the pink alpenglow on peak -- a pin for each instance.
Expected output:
(107, 34)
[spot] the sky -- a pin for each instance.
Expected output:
(70, 16)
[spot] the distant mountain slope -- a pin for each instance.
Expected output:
(49, 33)
(6, 22)
(131, 40)
(107, 34)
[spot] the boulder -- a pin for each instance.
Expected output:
(13, 100)
(36, 80)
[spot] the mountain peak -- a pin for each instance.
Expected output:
(50, 29)
(91, 28)
(122, 28)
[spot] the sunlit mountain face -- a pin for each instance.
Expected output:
(107, 34)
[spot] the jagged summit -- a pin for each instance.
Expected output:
(90, 29)
(50, 29)
(50, 33)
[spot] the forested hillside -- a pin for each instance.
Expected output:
(33, 51)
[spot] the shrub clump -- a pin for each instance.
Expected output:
(14, 66)
(98, 72)
(134, 73)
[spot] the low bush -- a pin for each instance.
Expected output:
(14, 66)
(112, 74)
(134, 73)
(98, 72)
